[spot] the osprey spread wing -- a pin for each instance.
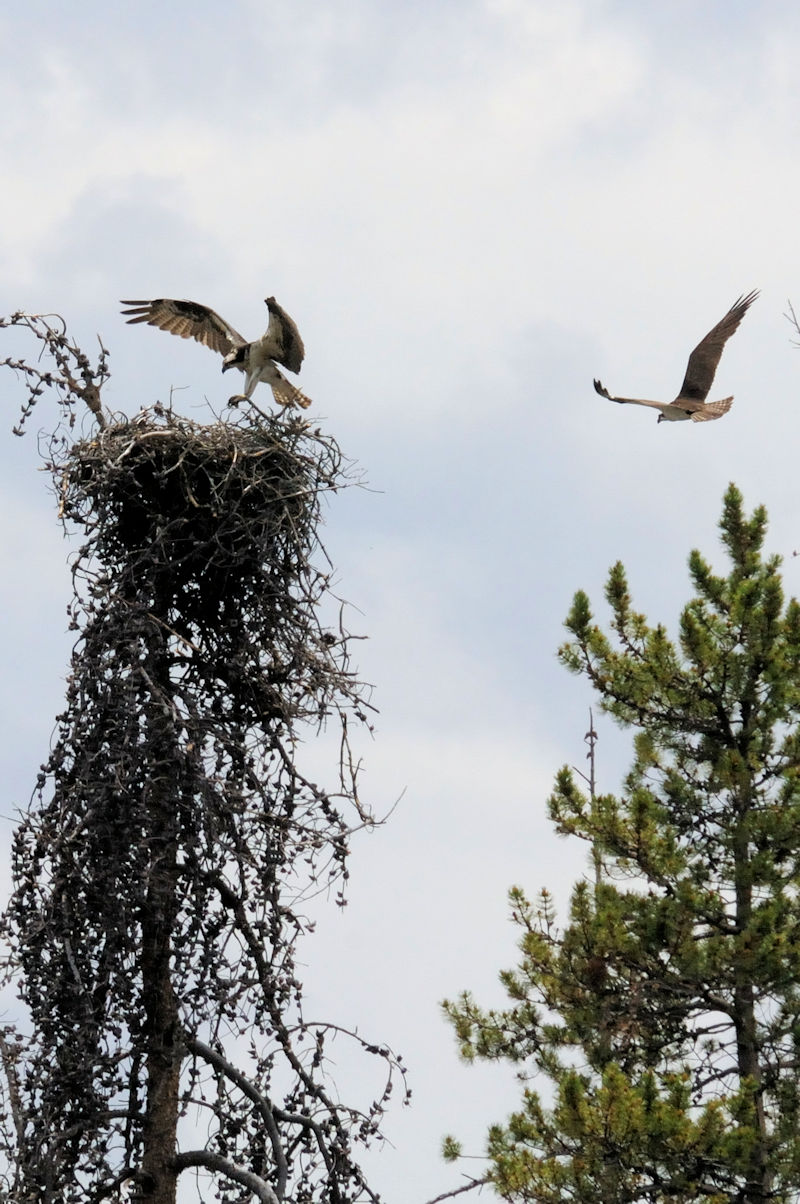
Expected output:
(691, 401)
(280, 343)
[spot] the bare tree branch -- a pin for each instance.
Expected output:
(224, 1166)
(459, 1191)
(70, 362)
(198, 1047)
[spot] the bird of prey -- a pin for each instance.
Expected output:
(691, 401)
(280, 343)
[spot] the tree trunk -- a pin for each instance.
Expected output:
(747, 1046)
(163, 1046)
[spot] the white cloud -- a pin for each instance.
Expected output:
(471, 209)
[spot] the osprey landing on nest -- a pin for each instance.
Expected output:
(280, 343)
(691, 401)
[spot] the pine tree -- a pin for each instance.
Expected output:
(663, 1021)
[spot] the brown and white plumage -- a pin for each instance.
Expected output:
(280, 343)
(691, 401)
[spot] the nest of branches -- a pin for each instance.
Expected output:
(160, 871)
(210, 530)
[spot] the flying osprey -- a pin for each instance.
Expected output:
(280, 343)
(691, 401)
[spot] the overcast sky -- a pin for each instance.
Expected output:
(470, 208)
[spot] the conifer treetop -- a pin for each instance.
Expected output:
(656, 1033)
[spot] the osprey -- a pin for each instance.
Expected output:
(691, 401)
(280, 343)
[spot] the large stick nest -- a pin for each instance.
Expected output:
(221, 500)
(211, 529)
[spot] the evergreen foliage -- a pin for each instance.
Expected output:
(665, 1016)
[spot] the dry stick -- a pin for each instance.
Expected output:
(198, 1047)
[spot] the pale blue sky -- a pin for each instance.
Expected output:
(471, 210)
